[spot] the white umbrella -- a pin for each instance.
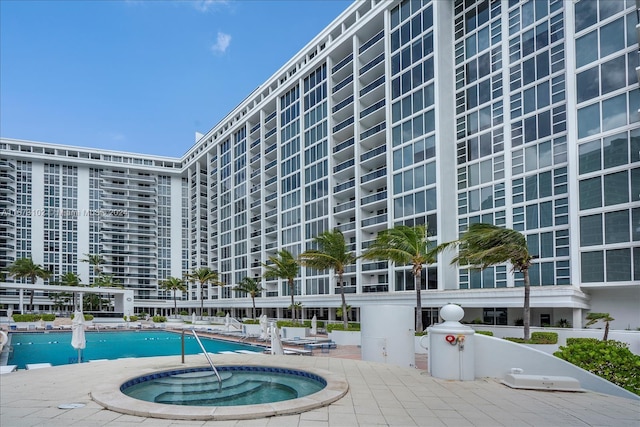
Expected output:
(314, 325)
(227, 321)
(193, 318)
(276, 344)
(263, 327)
(78, 340)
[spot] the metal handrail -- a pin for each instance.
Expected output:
(208, 359)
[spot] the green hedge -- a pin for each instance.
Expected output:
(26, 317)
(537, 338)
(251, 321)
(571, 341)
(489, 333)
(340, 327)
(611, 360)
(544, 337)
(159, 319)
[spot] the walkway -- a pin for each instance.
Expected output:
(379, 395)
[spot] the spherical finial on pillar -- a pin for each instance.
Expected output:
(451, 312)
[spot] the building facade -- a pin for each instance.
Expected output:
(522, 114)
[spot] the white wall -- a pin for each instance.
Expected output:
(623, 305)
(495, 357)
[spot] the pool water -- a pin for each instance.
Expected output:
(55, 347)
(241, 385)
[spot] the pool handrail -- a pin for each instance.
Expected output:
(208, 359)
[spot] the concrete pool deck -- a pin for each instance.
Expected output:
(378, 394)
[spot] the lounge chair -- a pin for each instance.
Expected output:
(8, 368)
(32, 366)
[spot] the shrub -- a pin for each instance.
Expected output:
(159, 319)
(489, 333)
(289, 324)
(544, 338)
(251, 321)
(88, 317)
(48, 317)
(26, 317)
(611, 360)
(419, 334)
(572, 341)
(220, 313)
(184, 313)
(537, 338)
(340, 327)
(307, 323)
(133, 318)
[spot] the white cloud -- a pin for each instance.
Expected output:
(205, 5)
(221, 45)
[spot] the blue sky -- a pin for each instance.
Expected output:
(141, 75)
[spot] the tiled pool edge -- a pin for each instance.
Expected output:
(109, 396)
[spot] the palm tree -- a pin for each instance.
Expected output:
(332, 253)
(70, 279)
(251, 287)
(25, 268)
(95, 260)
(203, 275)
(173, 284)
(283, 266)
(339, 312)
(485, 245)
(605, 317)
(404, 245)
(105, 281)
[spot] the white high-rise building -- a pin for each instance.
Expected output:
(523, 114)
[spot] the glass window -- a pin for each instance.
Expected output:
(528, 71)
(546, 245)
(532, 216)
(609, 8)
(590, 193)
(635, 224)
(544, 186)
(588, 120)
(586, 14)
(589, 157)
(616, 225)
(615, 150)
(636, 263)
(546, 214)
(635, 185)
(613, 74)
(618, 265)
(592, 267)
(635, 145)
(612, 37)
(616, 188)
(431, 173)
(588, 84)
(585, 49)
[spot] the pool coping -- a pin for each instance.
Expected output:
(108, 395)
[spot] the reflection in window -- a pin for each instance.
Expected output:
(592, 267)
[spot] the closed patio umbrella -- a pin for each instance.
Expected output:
(264, 333)
(314, 325)
(78, 340)
(276, 343)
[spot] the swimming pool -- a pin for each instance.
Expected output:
(55, 347)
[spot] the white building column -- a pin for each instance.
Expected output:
(576, 321)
